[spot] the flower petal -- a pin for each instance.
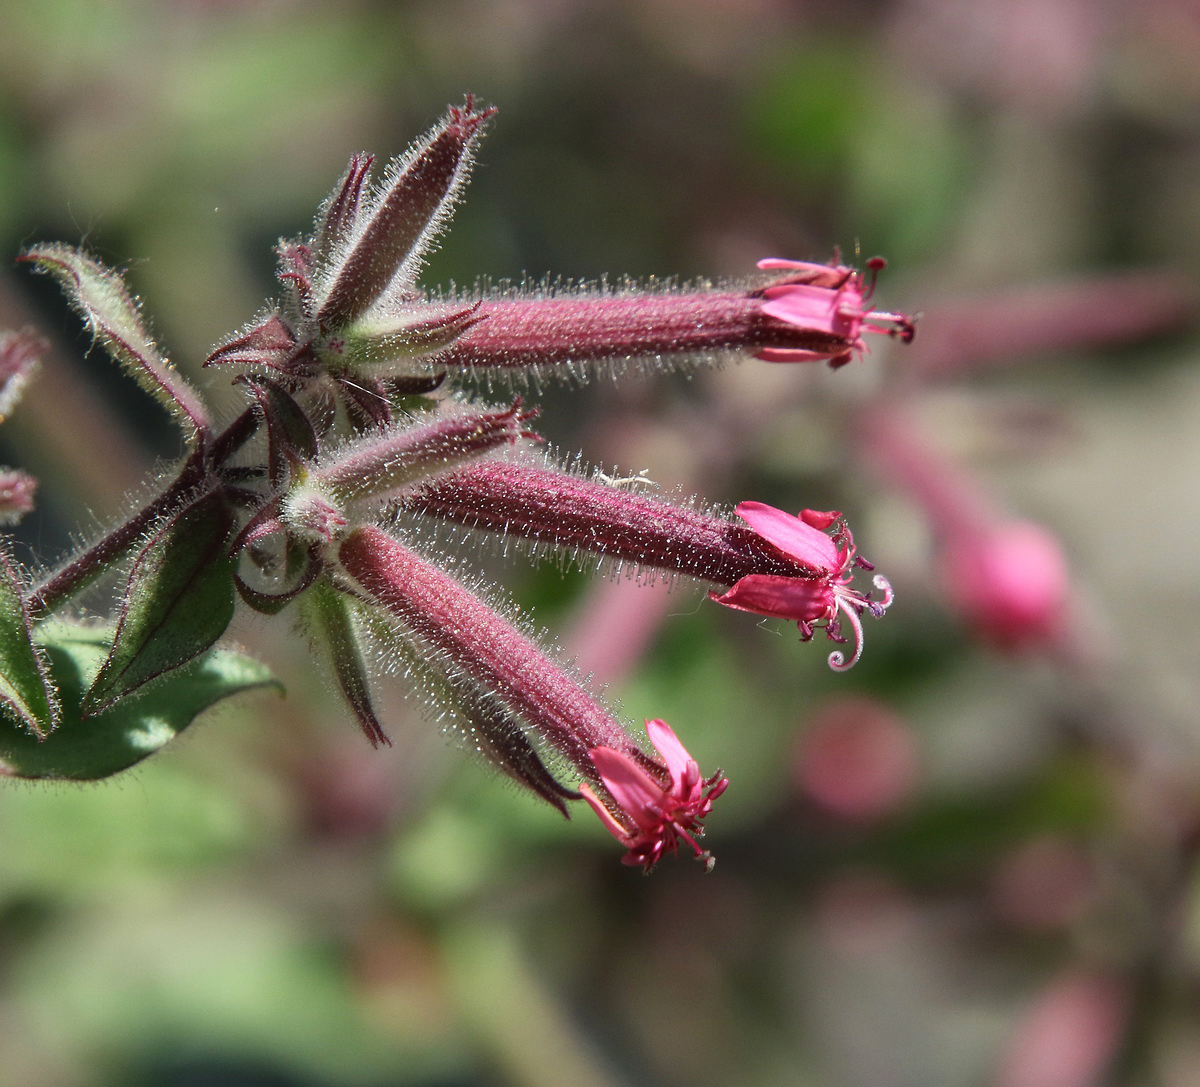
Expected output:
(606, 817)
(680, 765)
(813, 308)
(795, 354)
(804, 600)
(829, 276)
(636, 793)
(773, 263)
(802, 542)
(820, 519)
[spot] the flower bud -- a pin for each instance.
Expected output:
(389, 235)
(1009, 581)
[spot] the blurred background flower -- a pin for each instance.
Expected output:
(951, 866)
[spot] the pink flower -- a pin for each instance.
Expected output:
(654, 806)
(831, 300)
(1010, 582)
(819, 598)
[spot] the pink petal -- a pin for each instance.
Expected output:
(789, 354)
(820, 519)
(606, 817)
(804, 600)
(632, 788)
(672, 752)
(1011, 582)
(831, 277)
(812, 308)
(807, 545)
(769, 263)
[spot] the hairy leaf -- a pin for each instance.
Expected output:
(112, 314)
(88, 748)
(179, 601)
(26, 694)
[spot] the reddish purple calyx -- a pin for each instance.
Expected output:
(654, 808)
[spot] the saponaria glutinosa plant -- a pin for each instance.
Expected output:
(352, 414)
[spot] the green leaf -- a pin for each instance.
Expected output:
(112, 314)
(25, 692)
(179, 601)
(88, 748)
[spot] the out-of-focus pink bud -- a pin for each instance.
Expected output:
(1067, 316)
(1007, 579)
(1010, 583)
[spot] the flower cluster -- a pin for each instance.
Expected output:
(353, 418)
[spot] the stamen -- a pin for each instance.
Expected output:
(837, 659)
(692, 842)
(875, 265)
(885, 587)
(901, 328)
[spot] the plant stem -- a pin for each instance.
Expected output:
(79, 571)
